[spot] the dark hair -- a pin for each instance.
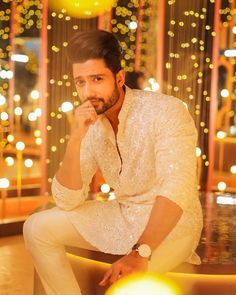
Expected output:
(95, 45)
(131, 79)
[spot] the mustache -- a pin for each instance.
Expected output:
(91, 98)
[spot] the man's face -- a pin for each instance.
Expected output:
(95, 82)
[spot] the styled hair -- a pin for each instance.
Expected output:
(95, 45)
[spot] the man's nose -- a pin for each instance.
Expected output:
(89, 90)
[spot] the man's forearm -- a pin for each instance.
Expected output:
(69, 174)
(164, 216)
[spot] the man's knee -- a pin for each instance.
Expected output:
(34, 230)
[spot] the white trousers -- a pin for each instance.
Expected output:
(47, 232)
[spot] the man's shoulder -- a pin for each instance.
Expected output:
(156, 100)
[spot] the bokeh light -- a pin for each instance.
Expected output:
(82, 8)
(105, 188)
(221, 186)
(141, 283)
(4, 183)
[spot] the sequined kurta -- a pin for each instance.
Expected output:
(153, 155)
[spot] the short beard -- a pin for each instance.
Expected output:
(110, 103)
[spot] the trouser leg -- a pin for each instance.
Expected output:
(170, 254)
(45, 235)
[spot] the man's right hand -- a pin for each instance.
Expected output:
(84, 116)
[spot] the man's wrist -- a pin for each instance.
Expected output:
(142, 250)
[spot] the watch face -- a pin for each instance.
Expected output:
(144, 250)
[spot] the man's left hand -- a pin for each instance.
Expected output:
(125, 266)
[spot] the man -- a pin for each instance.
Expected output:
(144, 144)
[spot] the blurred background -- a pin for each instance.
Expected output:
(181, 48)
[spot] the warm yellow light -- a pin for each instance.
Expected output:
(18, 111)
(112, 196)
(10, 161)
(144, 283)
(28, 163)
(224, 93)
(37, 133)
(81, 8)
(105, 188)
(155, 86)
(4, 116)
(16, 97)
(198, 151)
(221, 186)
(2, 100)
(20, 146)
(38, 140)
(4, 183)
(66, 107)
(38, 112)
(221, 134)
(10, 138)
(34, 94)
(32, 117)
(233, 169)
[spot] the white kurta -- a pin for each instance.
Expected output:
(154, 154)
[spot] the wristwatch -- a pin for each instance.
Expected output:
(143, 250)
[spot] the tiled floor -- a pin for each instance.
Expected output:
(16, 268)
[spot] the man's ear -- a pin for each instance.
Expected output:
(120, 78)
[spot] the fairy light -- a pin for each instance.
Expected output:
(105, 188)
(18, 111)
(4, 116)
(34, 94)
(28, 163)
(233, 169)
(20, 146)
(221, 134)
(221, 186)
(9, 161)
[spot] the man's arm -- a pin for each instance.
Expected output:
(164, 216)
(69, 174)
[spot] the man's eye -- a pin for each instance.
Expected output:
(97, 79)
(79, 83)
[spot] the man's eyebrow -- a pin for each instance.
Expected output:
(91, 76)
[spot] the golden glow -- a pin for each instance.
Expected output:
(2, 100)
(4, 116)
(221, 134)
(10, 138)
(81, 8)
(105, 188)
(34, 94)
(28, 163)
(144, 283)
(37, 133)
(10, 161)
(4, 183)
(198, 152)
(221, 186)
(18, 111)
(233, 169)
(20, 146)
(66, 106)
(38, 140)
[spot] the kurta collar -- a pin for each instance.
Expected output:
(104, 123)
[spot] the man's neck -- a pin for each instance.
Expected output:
(113, 112)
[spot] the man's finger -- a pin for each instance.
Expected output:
(106, 277)
(115, 275)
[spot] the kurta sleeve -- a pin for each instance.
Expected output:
(175, 152)
(68, 199)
